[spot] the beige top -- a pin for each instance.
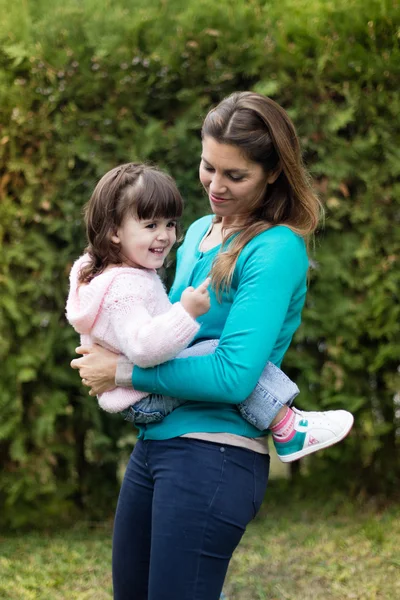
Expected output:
(259, 445)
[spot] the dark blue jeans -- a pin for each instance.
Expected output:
(183, 508)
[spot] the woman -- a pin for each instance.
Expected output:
(196, 479)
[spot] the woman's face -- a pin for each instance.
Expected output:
(235, 185)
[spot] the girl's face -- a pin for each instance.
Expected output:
(235, 185)
(145, 244)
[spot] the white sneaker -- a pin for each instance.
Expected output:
(314, 431)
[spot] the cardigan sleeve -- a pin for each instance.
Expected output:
(269, 273)
(145, 339)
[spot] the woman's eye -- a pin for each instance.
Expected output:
(235, 178)
(209, 169)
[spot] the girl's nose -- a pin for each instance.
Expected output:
(162, 234)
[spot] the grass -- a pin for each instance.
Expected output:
(296, 549)
(310, 554)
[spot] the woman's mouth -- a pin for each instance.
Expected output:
(217, 200)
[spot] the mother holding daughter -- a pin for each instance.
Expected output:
(198, 476)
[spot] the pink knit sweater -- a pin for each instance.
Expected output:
(127, 311)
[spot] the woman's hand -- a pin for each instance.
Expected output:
(97, 368)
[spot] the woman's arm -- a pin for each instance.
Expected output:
(270, 273)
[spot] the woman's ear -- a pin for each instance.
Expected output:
(273, 176)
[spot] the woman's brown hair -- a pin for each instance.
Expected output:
(133, 189)
(264, 133)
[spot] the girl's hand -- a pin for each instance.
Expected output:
(196, 301)
(97, 368)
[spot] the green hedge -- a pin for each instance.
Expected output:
(86, 85)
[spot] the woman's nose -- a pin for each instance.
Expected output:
(217, 184)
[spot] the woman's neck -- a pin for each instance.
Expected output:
(216, 234)
(233, 223)
(228, 222)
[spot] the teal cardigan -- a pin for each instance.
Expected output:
(255, 322)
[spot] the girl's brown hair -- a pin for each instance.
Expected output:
(133, 189)
(264, 133)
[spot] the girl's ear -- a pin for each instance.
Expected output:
(115, 238)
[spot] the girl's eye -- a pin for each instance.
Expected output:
(151, 226)
(171, 224)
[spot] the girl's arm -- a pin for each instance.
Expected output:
(145, 339)
(271, 272)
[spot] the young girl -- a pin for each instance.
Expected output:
(117, 300)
